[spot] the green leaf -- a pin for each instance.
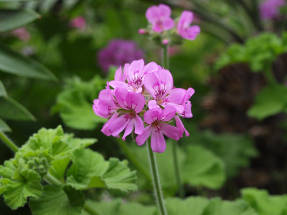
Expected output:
(271, 100)
(56, 147)
(55, 201)
(120, 208)
(234, 150)
(86, 171)
(119, 177)
(14, 63)
(12, 110)
(219, 207)
(103, 207)
(11, 19)
(4, 127)
(179, 206)
(16, 188)
(2, 90)
(259, 52)
(203, 168)
(264, 203)
(90, 170)
(75, 103)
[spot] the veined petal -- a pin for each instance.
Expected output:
(152, 115)
(181, 127)
(168, 23)
(121, 95)
(157, 141)
(164, 10)
(170, 131)
(168, 113)
(128, 129)
(151, 67)
(141, 139)
(152, 104)
(139, 125)
(152, 14)
(106, 128)
(118, 84)
(135, 101)
(117, 125)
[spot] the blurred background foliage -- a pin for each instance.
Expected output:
(50, 74)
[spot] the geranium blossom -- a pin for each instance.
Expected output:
(270, 9)
(144, 93)
(78, 22)
(159, 17)
(123, 108)
(132, 75)
(183, 27)
(119, 52)
(157, 120)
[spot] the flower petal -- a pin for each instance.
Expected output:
(164, 10)
(168, 113)
(157, 141)
(128, 129)
(170, 131)
(180, 127)
(139, 125)
(141, 139)
(152, 115)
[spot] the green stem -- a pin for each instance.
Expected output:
(9, 143)
(165, 63)
(156, 181)
(134, 160)
(176, 171)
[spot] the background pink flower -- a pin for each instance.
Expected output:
(21, 34)
(183, 27)
(159, 17)
(270, 9)
(118, 53)
(78, 22)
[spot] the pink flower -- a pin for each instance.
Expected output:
(132, 76)
(118, 52)
(269, 9)
(158, 127)
(144, 91)
(21, 34)
(159, 17)
(183, 27)
(124, 107)
(78, 22)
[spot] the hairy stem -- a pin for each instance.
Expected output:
(156, 181)
(165, 63)
(134, 160)
(9, 143)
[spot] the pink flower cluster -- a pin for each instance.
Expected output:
(160, 19)
(78, 23)
(270, 9)
(142, 98)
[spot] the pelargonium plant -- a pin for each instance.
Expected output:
(143, 99)
(163, 28)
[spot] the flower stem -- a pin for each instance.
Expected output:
(156, 182)
(9, 143)
(165, 63)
